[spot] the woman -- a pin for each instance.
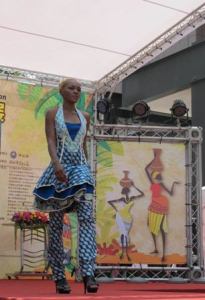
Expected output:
(122, 207)
(158, 208)
(67, 184)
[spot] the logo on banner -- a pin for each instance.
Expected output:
(2, 112)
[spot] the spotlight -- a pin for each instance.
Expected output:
(179, 109)
(103, 106)
(141, 109)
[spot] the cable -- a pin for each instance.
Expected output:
(166, 6)
(63, 40)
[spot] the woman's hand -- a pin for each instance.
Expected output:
(177, 182)
(59, 172)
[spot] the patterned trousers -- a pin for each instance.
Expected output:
(86, 240)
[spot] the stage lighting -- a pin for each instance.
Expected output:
(179, 109)
(103, 106)
(141, 109)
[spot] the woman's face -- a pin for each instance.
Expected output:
(71, 91)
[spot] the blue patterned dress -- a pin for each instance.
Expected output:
(56, 197)
(51, 194)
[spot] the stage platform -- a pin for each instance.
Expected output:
(23, 289)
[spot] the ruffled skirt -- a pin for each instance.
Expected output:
(51, 194)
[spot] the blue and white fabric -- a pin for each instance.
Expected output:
(86, 240)
(51, 194)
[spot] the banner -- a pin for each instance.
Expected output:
(23, 157)
(141, 213)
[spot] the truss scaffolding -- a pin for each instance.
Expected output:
(188, 24)
(191, 137)
(43, 79)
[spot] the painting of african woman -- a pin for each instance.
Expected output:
(140, 203)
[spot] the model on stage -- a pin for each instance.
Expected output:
(67, 184)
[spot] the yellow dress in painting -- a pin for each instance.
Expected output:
(158, 210)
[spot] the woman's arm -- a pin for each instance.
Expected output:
(52, 144)
(141, 192)
(171, 191)
(51, 135)
(112, 202)
(87, 117)
(148, 172)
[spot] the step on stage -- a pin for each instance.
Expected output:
(22, 289)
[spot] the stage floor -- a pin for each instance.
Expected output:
(23, 289)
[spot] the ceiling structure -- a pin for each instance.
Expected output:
(85, 39)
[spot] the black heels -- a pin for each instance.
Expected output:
(90, 284)
(62, 286)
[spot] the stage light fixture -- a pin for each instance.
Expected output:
(103, 106)
(141, 109)
(179, 108)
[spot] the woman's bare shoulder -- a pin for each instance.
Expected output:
(51, 113)
(86, 115)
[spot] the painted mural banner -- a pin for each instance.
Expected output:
(23, 157)
(140, 212)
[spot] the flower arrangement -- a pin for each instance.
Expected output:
(29, 218)
(33, 220)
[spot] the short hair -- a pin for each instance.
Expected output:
(64, 82)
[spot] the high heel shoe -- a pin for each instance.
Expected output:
(62, 286)
(90, 284)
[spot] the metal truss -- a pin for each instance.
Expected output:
(142, 274)
(43, 79)
(195, 183)
(192, 138)
(152, 50)
(146, 133)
